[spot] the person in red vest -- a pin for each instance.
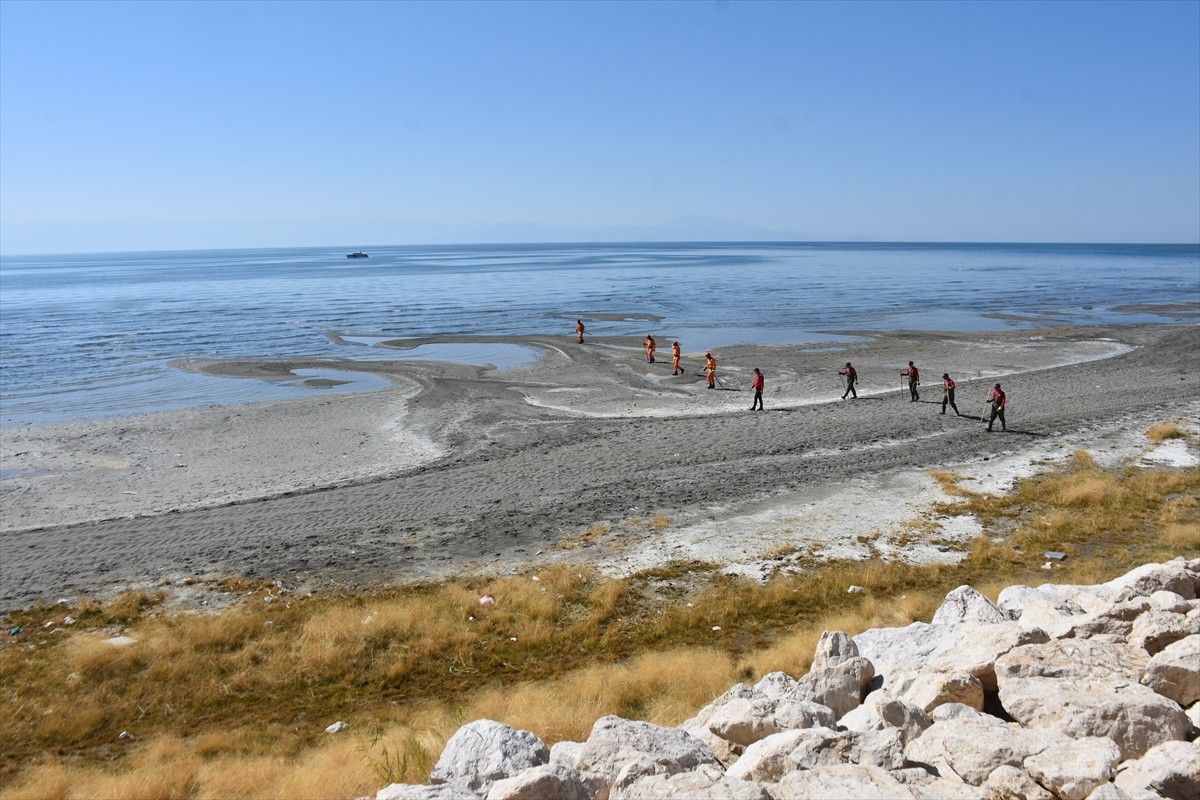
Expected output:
(757, 385)
(948, 393)
(914, 380)
(997, 400)
(851, 379)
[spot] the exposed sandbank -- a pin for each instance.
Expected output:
(463, 467)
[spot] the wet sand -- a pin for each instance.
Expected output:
(471, 469)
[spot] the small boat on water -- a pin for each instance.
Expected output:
(357, 254)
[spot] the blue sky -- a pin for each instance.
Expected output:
(226, 124)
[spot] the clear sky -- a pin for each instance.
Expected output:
(223, 124)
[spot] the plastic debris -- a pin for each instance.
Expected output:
(856, 590)
(68, 620)
(487, 600)
(120, 641)
(336, 727)
(716, 627)
(125, 736)
(1048, 565)
(1054, 555)
(13, 631)
(512, 638)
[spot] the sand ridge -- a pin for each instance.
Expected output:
(471, 467)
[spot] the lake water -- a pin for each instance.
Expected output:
(92, 335)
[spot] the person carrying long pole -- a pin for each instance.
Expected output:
(579, 328)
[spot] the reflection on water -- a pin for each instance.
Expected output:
(500, 356)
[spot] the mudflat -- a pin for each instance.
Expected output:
(471, 469)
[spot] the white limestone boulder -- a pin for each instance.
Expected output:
(1174, 672)
(566, 753)
(1071, 658)
(615, 741)
(929, 786)
(972, 748)
(1172, 770)
(776, 685)
(978, 646)
(842, 781)
(964, 605)
(929, 689)
(1133, 716)
(486, 751)
(1169, 601)
(1007, 782)
(840, 686)
(880, 711)
(549, 780)
(1174, 576)
(422, 791)
(745, 721)
(1074, 769)
(705, 782)
(1155, 630)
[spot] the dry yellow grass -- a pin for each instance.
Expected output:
(235, 704)
(592, 535)
(1167, 430)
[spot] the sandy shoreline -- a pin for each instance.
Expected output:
(469, 468)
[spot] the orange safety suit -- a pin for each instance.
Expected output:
(710, 366)
(650, 349)
(675, 359)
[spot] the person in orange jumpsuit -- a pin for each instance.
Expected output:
(650, 345)
(675, 354)
(579, 329)
(710, 367)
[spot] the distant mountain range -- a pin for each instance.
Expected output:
(150, 234)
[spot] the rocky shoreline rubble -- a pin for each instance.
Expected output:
(1074, 692)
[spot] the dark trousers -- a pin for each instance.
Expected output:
(850, 390)
(757, 400)
(997, 414)
(949, 398)
(912, 389)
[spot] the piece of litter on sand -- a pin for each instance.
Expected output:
(487, 600)
(125, 736)
(120, 641)
(856, 590)
(336, 727)
(716, 627)
(1048, 565)
(1054, 555)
